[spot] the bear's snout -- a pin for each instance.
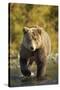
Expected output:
(31, 48)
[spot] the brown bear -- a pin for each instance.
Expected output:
(36, 44)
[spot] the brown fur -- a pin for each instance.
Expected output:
(36, 47)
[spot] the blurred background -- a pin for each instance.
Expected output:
(28, 15)
(22, 15)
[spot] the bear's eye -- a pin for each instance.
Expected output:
(33, 37)
(28, 40)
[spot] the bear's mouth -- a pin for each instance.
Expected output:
(34, 50)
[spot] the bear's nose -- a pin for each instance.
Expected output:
(31, 48)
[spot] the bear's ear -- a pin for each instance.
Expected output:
(25, 30)
(39, 31)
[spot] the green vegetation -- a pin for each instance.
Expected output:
(29, 15)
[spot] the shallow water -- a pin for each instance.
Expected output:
(17, 79)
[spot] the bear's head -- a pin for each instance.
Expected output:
(32, 38)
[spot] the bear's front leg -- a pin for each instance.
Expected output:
(24, 67)
(41, 64)
(41, 70)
